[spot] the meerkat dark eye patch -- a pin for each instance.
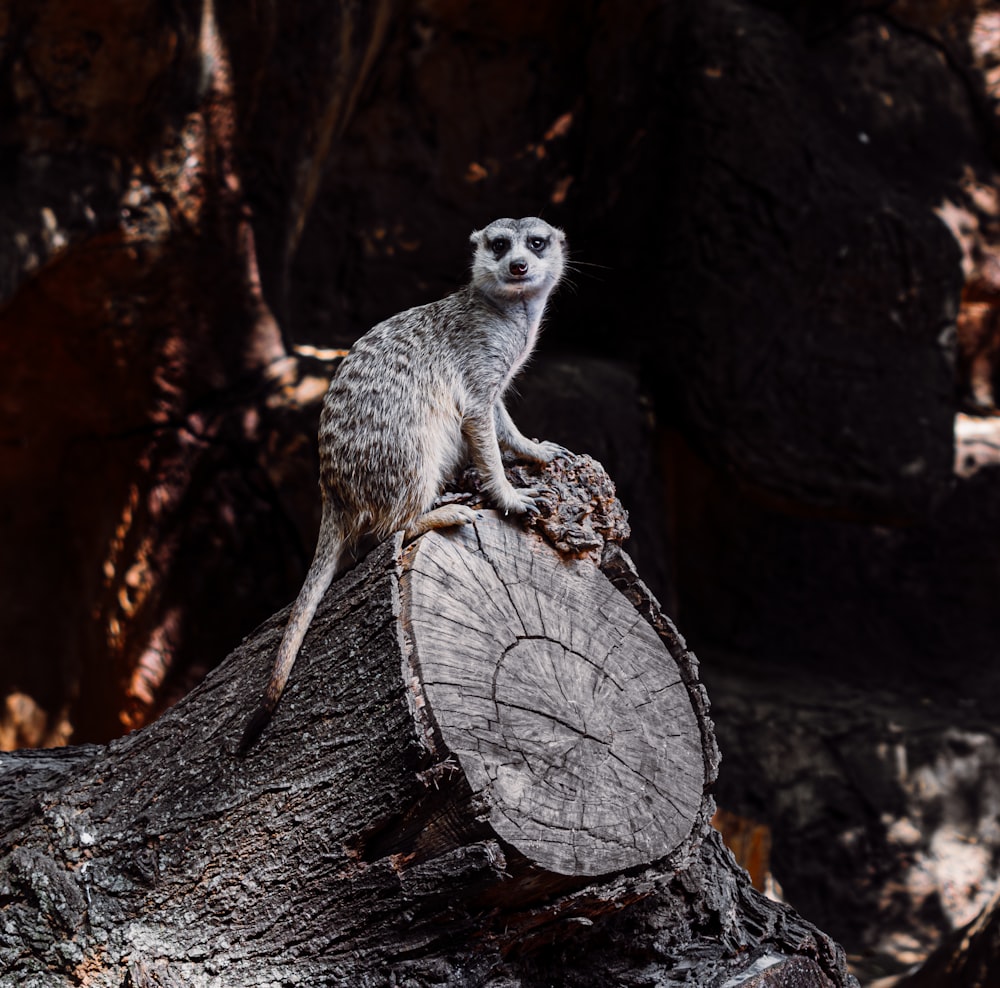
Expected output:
(499, 246)
(538, 244)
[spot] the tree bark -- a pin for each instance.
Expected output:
(490, 767)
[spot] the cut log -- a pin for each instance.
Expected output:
(490, 767)
(563, 707)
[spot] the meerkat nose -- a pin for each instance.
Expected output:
(518, 267)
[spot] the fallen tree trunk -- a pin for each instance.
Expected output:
(490, 767)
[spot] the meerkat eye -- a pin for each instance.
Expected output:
(500, 246)
(538, 243)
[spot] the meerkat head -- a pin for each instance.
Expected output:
(518, 258)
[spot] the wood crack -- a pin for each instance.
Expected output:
(562, 705)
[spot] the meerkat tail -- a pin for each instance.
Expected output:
(322, 570)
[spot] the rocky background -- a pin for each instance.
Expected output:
(781, 336)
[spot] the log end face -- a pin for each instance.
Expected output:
(564, 708)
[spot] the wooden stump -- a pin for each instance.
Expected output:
(565, 710)
(490, 768)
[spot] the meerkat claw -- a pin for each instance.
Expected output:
(550, 451)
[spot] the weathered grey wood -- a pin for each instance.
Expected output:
(565, 710)
(358, 843)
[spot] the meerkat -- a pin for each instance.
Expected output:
(418, 396)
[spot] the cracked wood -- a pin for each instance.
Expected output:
(563, 707)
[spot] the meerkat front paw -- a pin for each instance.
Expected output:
(543, 452)
(546, 452)
(519, 501)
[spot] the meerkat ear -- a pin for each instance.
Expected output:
(560, 234)
(475, 236)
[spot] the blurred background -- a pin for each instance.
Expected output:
(780, 334)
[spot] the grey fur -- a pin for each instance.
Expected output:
(418, 396)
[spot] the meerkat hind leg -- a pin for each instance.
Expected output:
(447, 516)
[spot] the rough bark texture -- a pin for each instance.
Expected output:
(362, 842)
